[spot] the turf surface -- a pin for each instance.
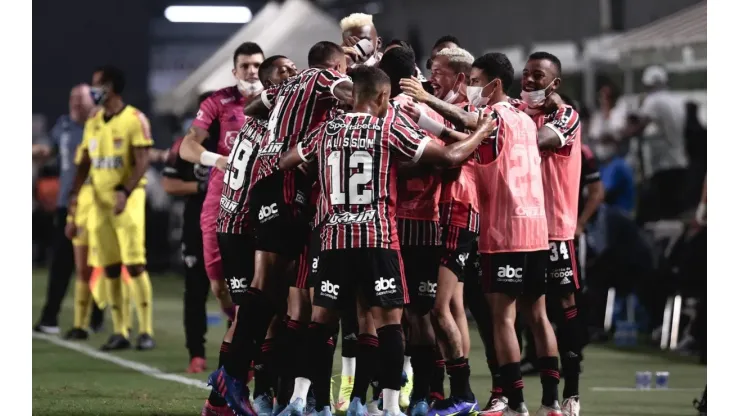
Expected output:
(67, 382)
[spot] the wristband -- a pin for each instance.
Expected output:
(434, 127)
(121, 188)
(209, 158)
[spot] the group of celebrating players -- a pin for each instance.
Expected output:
(357, 191)
(362, 193)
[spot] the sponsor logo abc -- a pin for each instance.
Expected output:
(384, 286)
(330, 288)
(428, 288)
(268, 211)
(238, 284)
(508, 272)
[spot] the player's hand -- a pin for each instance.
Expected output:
(351, 53)
(351, 41)
(413, 88)
(412, 111)
(120, 204)
(579, 229)
(70, 230)
(485, 124)
(553, 100)
(221, 163)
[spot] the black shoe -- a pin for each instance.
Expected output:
(144, 342)
(76, 334)
(97, 320)
(116, 342)
(50, 328)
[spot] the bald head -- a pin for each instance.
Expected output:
(80, 102)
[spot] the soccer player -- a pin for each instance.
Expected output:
(235, 230)
(357, 156)
(417, 213)
(559, 139)
(224, 107)
(277, 200)
(66, 135)
(360, 39)
(182, 178)
(460, 226)
(114, 151)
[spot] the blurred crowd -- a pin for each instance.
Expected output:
(646, 243)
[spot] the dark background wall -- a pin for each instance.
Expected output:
(71, 38)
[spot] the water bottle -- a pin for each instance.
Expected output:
(643, 380)
(661, 379)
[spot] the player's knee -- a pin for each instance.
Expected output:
(135, 270)
(113, 271)
(441, 310)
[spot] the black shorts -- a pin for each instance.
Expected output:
(457, 245)
(562, 268)
(308, 262)
(376, 274)
(237, 258)
(277, 205)
(421, 264)
(515, 274)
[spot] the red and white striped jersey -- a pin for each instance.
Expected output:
(297, 106)
(458, 202)
(357, 158)
(240, 175)
(419, 187)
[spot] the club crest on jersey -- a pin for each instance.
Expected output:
(93, 144)
(352, 218)
(117, 143)
(229, 138)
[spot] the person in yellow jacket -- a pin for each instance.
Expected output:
(114, 152)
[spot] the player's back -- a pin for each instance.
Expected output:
(297, 106)
(357, 158)
(509, 185)
(109, 143)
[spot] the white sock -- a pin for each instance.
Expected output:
(348, 366)
(407, 366)
(390, 401)
(300, 389)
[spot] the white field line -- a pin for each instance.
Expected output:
(121, 362)
(628, 389)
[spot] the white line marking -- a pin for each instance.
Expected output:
(122, 362)
(627, 389)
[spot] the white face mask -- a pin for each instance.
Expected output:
(475, 95)
(536, 98)
(249, 88)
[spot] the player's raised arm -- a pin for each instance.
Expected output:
(260, 106)
(456, 115)
(454, 154)
(560, 131)
(192, 148)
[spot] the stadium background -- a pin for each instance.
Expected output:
(168, 64)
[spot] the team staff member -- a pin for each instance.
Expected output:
(182, 178)
(66, 135)
(114, 151)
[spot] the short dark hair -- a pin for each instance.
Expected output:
(323, 52)
(247, 48)
(398, 63)
(266, 66)
(496, 65)
(114, 76)
(398, 42)
(547, 56)
(368, 81)
(445, 39)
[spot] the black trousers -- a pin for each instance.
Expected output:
(197, 287)
(60, 270)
